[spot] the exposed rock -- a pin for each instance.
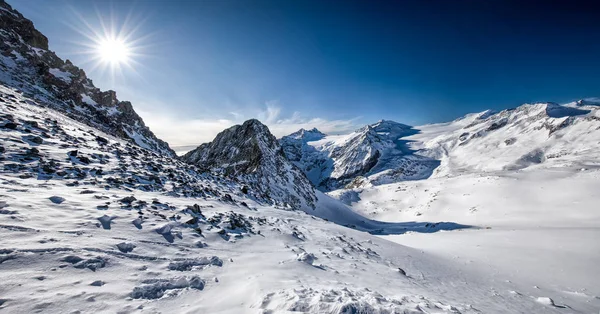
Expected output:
(56, 199)
(251, 153)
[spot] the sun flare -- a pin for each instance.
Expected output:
(112, 45)
(114, 51)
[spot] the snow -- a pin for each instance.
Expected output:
(60, 74)
(119, 244)
(536, 208)
(88, 100)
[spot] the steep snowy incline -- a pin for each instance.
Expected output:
(27, 64)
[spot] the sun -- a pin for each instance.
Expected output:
(113, 45)
(114, 51)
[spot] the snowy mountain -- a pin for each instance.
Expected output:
(498, 211)
(28, 65)
(530, 175)
(372, 153)
(250, 153)
(530, 136)
(386, 152)
(92, 223)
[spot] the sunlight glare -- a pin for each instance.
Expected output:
(113, 50)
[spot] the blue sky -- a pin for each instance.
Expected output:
(205, 65)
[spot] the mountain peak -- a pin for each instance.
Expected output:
(306, 135)
(252, 122)
(251, 152)
(254, 126)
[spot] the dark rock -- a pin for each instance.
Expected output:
(35, 139)
(101, 140)
(10, 125)
(125, 247)
(84, 160)
(128, 200)
(56, 199)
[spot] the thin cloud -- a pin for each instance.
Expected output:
(184, 134)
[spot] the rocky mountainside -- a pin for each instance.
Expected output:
(27, 64)
(333, 162)
(251, 154)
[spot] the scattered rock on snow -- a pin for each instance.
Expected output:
(155, 288)
(92, 263)
(187, 265)
(138, 223)
(56, 199)
(308, 258)
(128, 200)
(125, 247)
(546, 301)
(106, 221)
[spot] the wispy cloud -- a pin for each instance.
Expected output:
(184, 134)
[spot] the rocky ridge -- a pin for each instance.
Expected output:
(251, 154)
(27, 64)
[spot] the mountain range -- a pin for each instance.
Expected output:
(98, 214)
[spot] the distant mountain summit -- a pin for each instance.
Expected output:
(307, 135)
(27, 65)
(332, 162)
(250, 153)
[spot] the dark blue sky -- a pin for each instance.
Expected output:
(412, 61)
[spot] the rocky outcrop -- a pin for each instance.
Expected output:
(251, 154)
(27, 65)
(22, 26)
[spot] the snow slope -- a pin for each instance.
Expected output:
(91, 223)
(532, 135)
(530, 177)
